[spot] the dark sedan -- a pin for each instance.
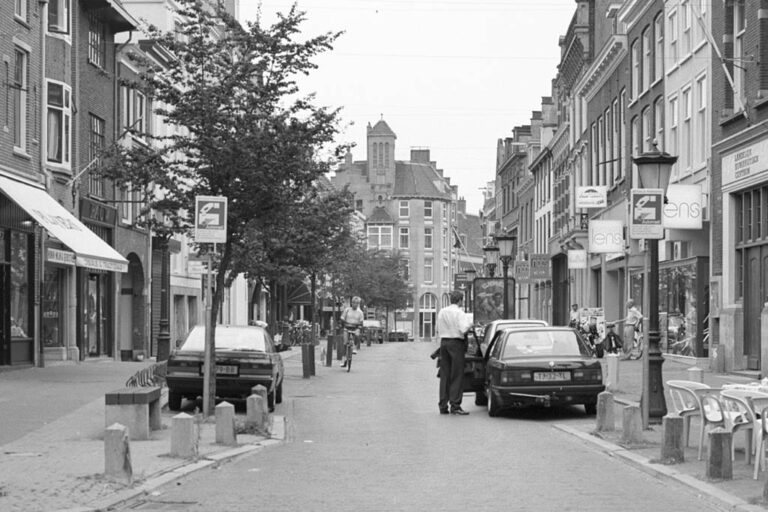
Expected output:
(246, 356)
(545, 366)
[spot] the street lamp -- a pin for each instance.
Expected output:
(506, 253)
(654, 168)
(491, 258)
(471, 281)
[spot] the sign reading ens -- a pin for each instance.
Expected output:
(606, 236)
(684, 209)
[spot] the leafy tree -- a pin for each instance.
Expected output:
(376, 276)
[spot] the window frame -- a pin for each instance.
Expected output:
(97, 41)
(658, 57)
(65, 133)
(429, 238)
(404, 209)
(21, 10)
(428, 210)
(380, 235)
(63, 13)
(96, 143)
(429, 272)
(20, 102)
(404, 234)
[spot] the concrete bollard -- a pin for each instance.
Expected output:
(184, 436)
(340, 351)
(312, 359)
(612, 372)
(719, 462)
(632, 424)
(261, 391)
(117, 454)
(330, 343)
(606, 419)
(225, 424)
(695, 374)
(672, 438)
(257, 415)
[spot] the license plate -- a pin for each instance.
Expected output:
(551, 376)
(222, 369)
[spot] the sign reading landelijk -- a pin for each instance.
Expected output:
(210, 219)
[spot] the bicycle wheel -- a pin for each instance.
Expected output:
(349, 357)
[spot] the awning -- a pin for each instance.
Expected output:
(90, 250)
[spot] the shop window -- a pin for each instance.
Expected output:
(20, 286)
(52, 307)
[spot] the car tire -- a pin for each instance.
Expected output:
(271, 402)
(590, 409)
(279, 393)
(481, 399)
(493, 406)
(174, 401)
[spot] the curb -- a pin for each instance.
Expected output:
(660, 471)
(152, 482)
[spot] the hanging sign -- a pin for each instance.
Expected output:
(210, 219)
(684, 208)
(523, 272)
(577, 259)
(591, 197)
(540, 270)
(646, 217)
(606, 236)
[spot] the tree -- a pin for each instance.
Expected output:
(376, 276)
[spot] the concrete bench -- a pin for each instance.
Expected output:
(136, 408)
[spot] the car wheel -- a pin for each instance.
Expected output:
(279, 393)
(493, 405)
(590, 409)
(480, 398)
(174, 401)
(271, 401)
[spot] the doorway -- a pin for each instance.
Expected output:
(755, 295)
(95, 325)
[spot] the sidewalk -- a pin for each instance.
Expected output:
(59, 464)
(742, 493)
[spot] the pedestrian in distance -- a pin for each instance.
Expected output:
(574, 321)
(612, 340)
(452, 326)
(632, 327)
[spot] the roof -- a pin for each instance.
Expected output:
(419, 180)
(382, 128)
(380, 216)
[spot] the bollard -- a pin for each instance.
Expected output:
(719, 462)
(305, 360)
(257, 415)
(612, 370)
(117, 454)
(672, 438)
(632, 425)
(225, 424)
(312, 356)
(340, 347)
(261, 391)
(695, 374)
(183, 436)
(329, 350)
(606, 421)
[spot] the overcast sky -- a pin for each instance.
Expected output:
(450, 75)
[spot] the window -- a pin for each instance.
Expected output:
(404, 209)
(96, 144)
(445, 272)
(739, 29)
(648, 130)
(21, 8)
(445, 240)
(58, 16)
(608, 154)
(658, 64)
(658, 119)
(359, 205)
(622, 129)
(594, 143)
(379, 237)
(647, 58)
(427, 238)
(19, 92)
(672, 114)
(635, 68)
(428, 262)
(635, 138)
(672, 34)
(685, 140)
(58, 120)
(405, 238)
(133, 109)
(701, 119)
(97, 46)
(686, 14)
(405, 268)
(616, 141)
(427, 209)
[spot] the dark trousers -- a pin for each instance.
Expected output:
(451, 372)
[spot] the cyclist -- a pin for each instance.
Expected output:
(352, 321)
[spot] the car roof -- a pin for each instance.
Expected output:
(520, 321)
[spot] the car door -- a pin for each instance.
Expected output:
(474, 364)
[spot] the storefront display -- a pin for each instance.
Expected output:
(53, 296)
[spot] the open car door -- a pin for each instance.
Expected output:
(474, 365)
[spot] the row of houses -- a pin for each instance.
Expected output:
(690, 78)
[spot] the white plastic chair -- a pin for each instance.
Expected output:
(691, 399)
(761, 441)
(743, 408)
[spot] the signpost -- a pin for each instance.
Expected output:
(646, 216)
(210, 227)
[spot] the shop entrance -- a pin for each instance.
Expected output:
(96, 316)
(755, 295)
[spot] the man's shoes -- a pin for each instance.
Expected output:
(459, 411)
(443, 410)
(354, 352)
(343, 365)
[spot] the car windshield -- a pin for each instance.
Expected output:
(227, 338)
(542, 343)
(498, 326)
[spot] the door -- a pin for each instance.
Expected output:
(755, 291)
(5, 335)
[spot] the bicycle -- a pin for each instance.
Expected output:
(353, 333)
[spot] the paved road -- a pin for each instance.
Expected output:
(372, 440)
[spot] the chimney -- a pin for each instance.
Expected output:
(462, 205)
(420, 155)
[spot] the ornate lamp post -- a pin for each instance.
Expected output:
(654, 168)
(491, 259)
(506, 253)
(470, 282)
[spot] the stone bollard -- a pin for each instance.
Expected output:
(612, 372)
(225, 424)
(340, 351)
(117, 454)
(606, 419)
(183, 436)
(672, 438)
(695, 374)
(719, 462)
(257, 415)
(330, 344)
(632, 424)
(261, 391)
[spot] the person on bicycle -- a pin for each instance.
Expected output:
(351, 321)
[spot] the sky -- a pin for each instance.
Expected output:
(454, 76)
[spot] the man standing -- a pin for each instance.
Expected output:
(452, 325)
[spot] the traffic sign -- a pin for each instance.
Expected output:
(210, 219)
(540, 270)
(646, 215)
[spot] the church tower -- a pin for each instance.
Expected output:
(381, 156)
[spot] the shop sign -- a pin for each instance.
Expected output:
(210, 219)
(97, 213)
(645, 216)
(59, 256)
(745, 162)
(195, 268)
(577, 259)
(100, 264)
(684, 209)
(591, 197)
(540, 270)
(606, 236)
(614, 256)
(523, 272)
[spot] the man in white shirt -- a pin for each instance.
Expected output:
(452, 325)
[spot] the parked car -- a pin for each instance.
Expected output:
(246, 356)
(373, 331)
(546, 366)
(490, 329)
